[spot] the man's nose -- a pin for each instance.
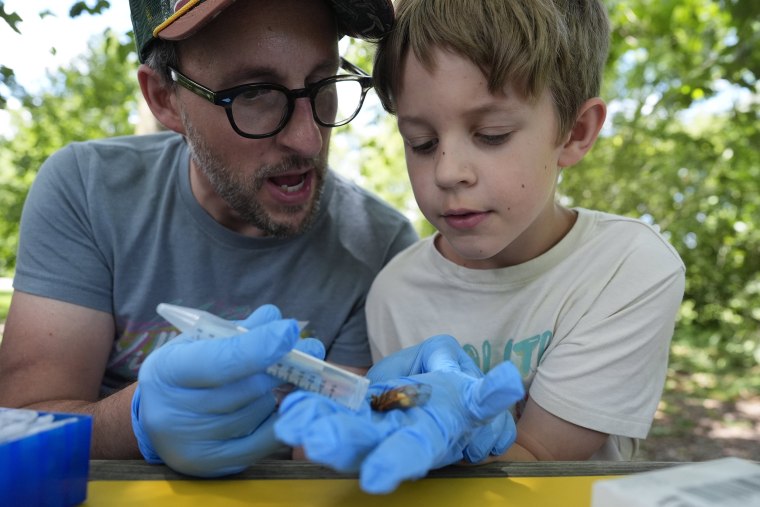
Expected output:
(302, 134)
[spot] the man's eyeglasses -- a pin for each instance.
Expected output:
(260, 110)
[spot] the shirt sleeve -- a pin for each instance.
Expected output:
(58, 256)
(608, 372)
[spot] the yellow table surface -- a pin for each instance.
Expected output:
(440, 492)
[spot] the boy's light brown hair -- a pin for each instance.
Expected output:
(533, 45)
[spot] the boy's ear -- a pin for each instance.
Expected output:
(584, 132)
(160, 98)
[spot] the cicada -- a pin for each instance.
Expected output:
(403, 397)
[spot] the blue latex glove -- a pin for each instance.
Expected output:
(437, 353)
(206, 407)
(442, 353)
(387, 448)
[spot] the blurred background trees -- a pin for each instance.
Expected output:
(681, 149)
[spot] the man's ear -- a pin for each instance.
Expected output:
(160, 98)
(586, 129)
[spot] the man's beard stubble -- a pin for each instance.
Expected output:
(239, 192)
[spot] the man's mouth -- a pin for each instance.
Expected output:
(289, 183)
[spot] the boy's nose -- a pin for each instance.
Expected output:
(453, 168)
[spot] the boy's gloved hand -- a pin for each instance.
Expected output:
(387, 448)
(443, 353)
(205, 407)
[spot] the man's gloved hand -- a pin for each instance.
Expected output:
(206, 407)
(387, 448)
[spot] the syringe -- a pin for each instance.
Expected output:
(295, 367)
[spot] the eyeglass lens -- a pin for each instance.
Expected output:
(261, 111)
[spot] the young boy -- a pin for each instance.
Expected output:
(493, 99)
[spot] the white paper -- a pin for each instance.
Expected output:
(725, 482)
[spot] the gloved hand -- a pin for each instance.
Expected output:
(206, 407)
(443, 352)
(387, 448)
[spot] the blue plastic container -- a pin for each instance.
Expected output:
(49, 468)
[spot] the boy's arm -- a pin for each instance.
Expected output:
(542, 436)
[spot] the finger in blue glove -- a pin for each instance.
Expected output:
(310, 421)
(492, 439)
(205, 407)
(437, 353)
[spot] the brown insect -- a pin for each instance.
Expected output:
(403, 397)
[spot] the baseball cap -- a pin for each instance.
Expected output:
(179, 19)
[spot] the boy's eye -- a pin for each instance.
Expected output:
(425, 147)
(494, 139)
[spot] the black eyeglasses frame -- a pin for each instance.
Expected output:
(224, 98)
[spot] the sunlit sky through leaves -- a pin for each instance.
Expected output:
(29, 54)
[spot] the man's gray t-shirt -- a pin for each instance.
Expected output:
(113, 225)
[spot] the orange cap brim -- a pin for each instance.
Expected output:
(189, 19)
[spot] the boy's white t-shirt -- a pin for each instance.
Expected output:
(587, 323)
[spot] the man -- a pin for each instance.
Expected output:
(232, 209)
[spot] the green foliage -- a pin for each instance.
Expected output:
(80, 8)
(5, 303)
(12, 19)
(697, 177)
(92, 98)
(7, 76)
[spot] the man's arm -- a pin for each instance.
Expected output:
(53, 357)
